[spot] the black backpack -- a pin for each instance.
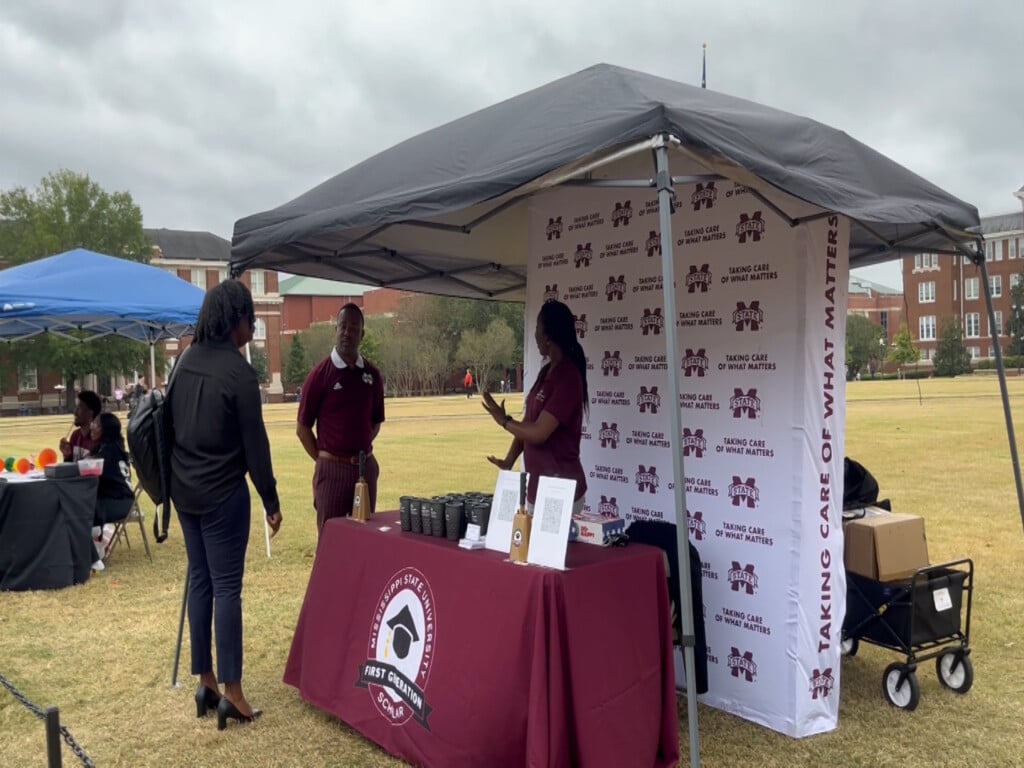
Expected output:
(149, 449)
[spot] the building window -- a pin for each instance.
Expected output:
(995, 286)
(28, 380)
(259, 331)
(971, 288)
(917, 261)
(883, 320)
(924, 354)
(954, 290)
(1014, 281)
(926, 328)
(198, 278)
(172, 270)
(1012, 244)
(926, 292)
(975, 352)
(222, 275)
(972, 325)
(999, 323)
(256, 282)
(997, 247)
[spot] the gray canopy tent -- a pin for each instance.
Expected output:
(445, 212)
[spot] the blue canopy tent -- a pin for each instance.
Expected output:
(82, 291)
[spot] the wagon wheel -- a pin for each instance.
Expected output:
(955, 671)
(849, 646)
(900, 686)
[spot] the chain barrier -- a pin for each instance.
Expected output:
(35, 710)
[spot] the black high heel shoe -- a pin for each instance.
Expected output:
(206, 699)
(226, 710)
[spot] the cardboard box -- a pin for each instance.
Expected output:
(595, 529)
(886, 547)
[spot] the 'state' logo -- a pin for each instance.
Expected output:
(616, 288)
(622, 213)
(652, 321)
(609, 435)
(744, 491)
(750, 226)
(742, 664)
(704, 196)
(653, 243)
(550, 293)
(695, 363)
(647, 479)
(751, 317)
(745, 403)
(696, 525)
(554, 229)
(742, 578)
(648, 399)
(822, 683)
(584, 253)
(608, 507)
(611, 363)
(581, 325)
(694, 443)
(698, 279)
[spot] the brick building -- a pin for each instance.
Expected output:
(202, 259)
(940, 286)
(309, 300)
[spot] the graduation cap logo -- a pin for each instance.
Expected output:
(404, 632)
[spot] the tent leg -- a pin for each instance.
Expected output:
(665, 200)
(1007, 413)
(152, 365)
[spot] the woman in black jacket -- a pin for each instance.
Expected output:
(114, 494)
(217, 437)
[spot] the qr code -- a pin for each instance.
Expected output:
(507, 505)
(551, 516)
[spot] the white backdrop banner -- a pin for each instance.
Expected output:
(761, 316)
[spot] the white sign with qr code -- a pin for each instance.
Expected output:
(942, 600)
(552, 517)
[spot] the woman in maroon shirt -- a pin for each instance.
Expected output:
(549, 434)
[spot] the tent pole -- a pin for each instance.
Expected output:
(1007, 414)
(665, 200)
(152, 365)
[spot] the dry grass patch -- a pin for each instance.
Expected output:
(103, 651)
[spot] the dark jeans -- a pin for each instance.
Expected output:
(111, 511)
(216, 544)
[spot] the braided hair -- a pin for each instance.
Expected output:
(224, 308)
(560, 327)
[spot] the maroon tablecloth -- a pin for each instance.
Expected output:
(487, 663)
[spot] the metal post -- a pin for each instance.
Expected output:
(53, 756)
(181, 629)
(152, 365)
(665, 199)
(1007, 413)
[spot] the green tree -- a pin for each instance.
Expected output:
(862, 347)
(260, 364)
(66, 211)
(903, 351)
(295, 367)
(951, 357)
(487, 352)
(69, 210)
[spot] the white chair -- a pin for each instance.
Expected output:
(121, 529)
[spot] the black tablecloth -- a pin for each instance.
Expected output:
(46, 533)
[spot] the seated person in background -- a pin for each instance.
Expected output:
(114, 494)
(79, 443)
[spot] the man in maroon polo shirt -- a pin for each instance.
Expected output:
(343, 399)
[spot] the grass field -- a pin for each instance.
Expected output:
(103, 651)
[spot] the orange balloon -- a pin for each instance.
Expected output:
(46, 457)
(23, 466)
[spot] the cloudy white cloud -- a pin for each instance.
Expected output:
(207, 112)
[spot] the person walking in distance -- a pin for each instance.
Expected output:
(468, 383)
(343, 401)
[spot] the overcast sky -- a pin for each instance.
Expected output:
(209, 111)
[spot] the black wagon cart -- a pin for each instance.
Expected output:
(927, 616)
